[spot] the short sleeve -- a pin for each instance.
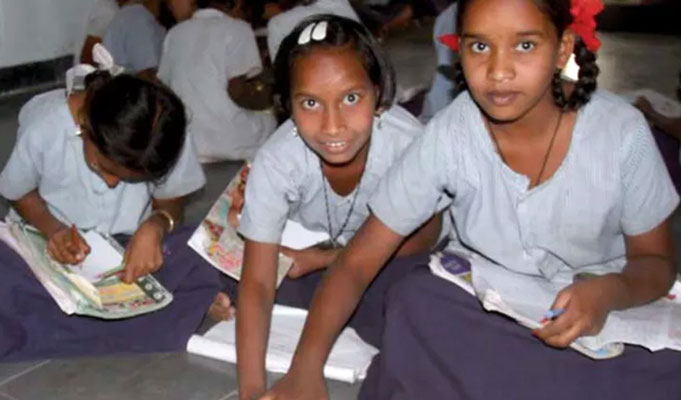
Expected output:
(102, 15)
(410, 193)
(266, 205)
(649, 196)
(144, 44)
(163, 73)
(25, 166)
(185, 177)
(243, 54)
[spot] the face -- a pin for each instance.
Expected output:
(333, 102)
(509, 53)
(181, 9)
(108, 170)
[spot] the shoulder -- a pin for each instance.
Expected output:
(43, 119)
(398, 127)
(285, 148)
(459, 119)
(611, 118)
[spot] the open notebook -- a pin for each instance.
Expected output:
(654, 326)
(348, 361)
(86, 289)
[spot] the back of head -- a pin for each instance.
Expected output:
(227, 4)
(337, 32)
(136, 123)
(559, 13)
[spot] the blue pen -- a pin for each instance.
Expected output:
(552, 314)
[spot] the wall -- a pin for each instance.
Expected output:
(39, 30)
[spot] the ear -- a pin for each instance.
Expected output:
(566, 47)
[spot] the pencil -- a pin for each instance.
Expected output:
(552, 314)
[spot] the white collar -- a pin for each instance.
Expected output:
(208, 13)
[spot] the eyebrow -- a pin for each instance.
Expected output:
(347, 90)
(474, 35)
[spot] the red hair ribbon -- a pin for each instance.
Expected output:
(584, 21)
(583, 25)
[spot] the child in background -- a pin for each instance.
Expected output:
(135, 37)
(547, 180)
(294, 11)
(204, 57)
(111, 158)
(100, 15)
(319, 169)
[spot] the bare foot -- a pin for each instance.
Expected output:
(222, 308)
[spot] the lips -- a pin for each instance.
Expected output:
(335, 146)
(502, 98)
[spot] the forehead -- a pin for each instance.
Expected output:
(325, 68)
(488, 17)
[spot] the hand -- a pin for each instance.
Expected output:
(587, 304)
(64, 249)
(308, 260)
(648, 110)
(293, 387)
(144, 254)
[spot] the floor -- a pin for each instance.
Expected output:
(627, 61)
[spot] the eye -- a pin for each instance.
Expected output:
(309, 104)
(525, 46)
(351, 99)
(479, 47)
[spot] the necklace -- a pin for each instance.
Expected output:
(546, 156)
(333, 239)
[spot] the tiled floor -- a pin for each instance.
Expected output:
(627, 61)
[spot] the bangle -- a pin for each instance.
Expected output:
(165, 214)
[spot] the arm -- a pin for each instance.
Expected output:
(144, 254)
(648, 276)
(670, 126)
(86, 50)
(256, 297)
(252, 94)
(61, 244)
(424, 239)
(335, 300)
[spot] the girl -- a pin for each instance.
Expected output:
(547, 180)
(111, 158)
(135, 37)
(294, 11)
(319, 169)
(204, 56)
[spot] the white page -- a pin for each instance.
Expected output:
(348, 361)
(102, 258)
(298, 237)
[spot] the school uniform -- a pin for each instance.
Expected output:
(286, 182)
(135, 38)
(200, 57)
(611, 183)
(48, 156)
(98, 19)
(282, 24)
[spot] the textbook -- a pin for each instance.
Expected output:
(348, 361)
(90, 288)
(655, 326)
(217, 241)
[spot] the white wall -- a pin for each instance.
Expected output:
(38, 30)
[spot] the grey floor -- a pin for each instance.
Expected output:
(628, 61)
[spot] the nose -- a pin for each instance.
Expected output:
(333, 122)
(500, 67)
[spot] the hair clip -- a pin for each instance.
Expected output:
(315, 31)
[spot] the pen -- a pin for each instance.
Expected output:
(552, 314)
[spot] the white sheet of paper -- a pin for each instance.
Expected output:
(102, 258)
(348, 361)
(297, 237)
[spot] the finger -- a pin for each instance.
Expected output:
(294, 272)
(566, 337)
(288, 252)
(556, 326)
(129, 272)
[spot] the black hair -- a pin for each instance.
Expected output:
(340, 32)
(211, 3)
(558, 12)
(136, 123)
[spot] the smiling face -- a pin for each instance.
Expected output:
(333, 102)
(510, 51)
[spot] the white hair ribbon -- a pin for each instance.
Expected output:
(75, 76)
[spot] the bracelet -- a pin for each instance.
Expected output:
(165, 214)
